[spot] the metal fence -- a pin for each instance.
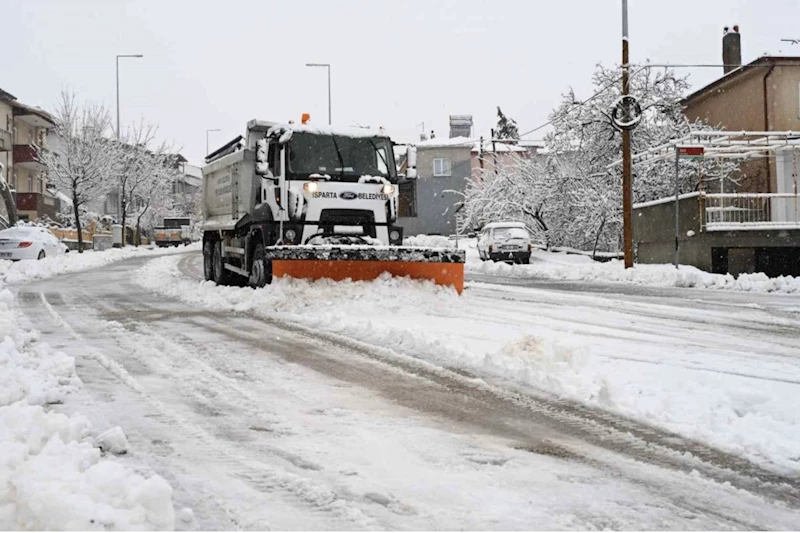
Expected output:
(751, 211)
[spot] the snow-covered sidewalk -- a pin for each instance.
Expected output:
(728, 376)
(58, 471)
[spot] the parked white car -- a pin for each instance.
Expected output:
(505, 241)
(19, 243)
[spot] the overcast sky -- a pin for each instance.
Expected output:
(395, 63)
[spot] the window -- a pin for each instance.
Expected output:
(274, 158)
(441, 166)
(407, 200)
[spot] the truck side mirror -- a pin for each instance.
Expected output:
(411, 156)
(411, 173)
(262, 160)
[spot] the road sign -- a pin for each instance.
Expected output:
(691, 152)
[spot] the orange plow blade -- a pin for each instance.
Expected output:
(443, 267)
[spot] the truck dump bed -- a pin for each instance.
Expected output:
(230, 190)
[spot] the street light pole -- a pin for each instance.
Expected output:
(118, 56)
(122, 193)
(627, 201)
(207, 132)
(328, 66)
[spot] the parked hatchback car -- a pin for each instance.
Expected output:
(505, 241)
(29, 243)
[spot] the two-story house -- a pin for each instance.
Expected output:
(752, 225)
(23, 131)
(763, 95)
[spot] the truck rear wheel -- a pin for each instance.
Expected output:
(221, 275)
(208, 260)
(261, 269)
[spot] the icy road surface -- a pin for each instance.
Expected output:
(258, 424)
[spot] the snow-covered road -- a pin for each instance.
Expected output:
(262, 424)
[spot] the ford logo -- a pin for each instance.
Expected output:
(348, 195)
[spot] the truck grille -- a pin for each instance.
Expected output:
(329, 218)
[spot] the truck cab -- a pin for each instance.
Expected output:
(323, 182)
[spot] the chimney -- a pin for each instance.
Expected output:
(460, 126)
(731, 49)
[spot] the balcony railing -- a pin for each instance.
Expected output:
(751, 211)
(24, 153)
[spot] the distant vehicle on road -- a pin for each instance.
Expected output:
(174, 231)
(19, 243)
(505, 241)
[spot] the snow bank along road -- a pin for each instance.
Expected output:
(262, 422)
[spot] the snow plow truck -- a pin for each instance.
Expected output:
(311, 202)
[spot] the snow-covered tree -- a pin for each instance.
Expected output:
(86, 163)
(572, 196)
(152, 188)
(135, 168)
(506, 127)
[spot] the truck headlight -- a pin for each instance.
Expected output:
(290, 234)
(394, 235)
(311, 186)
(388, 189)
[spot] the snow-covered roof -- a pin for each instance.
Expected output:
(444, 142)
(471, 143)
(63, 197)
(342, 131)
(193, 171)
(490, 147)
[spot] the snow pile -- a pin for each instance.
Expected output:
(20, 271)
(428, 241)
(548, 265)
(547, 365)
(51, 476)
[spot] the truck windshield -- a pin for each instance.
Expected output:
(342, 158)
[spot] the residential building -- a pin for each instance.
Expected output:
(24, 130)
(429, 204)
(186, 190)
(753, 226)
(763, 95)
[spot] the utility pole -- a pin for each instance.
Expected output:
(627, 203)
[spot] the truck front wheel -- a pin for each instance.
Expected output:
(208, 260)
(261, 268)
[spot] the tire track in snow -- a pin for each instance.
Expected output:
(259, 475)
